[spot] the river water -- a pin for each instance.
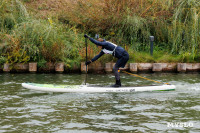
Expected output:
(24, 110)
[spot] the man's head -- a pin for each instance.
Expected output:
(100, 39)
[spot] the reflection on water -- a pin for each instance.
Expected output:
(24, 110)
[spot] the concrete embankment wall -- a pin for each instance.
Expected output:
(102, 68)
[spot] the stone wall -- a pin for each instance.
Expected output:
(100, 68)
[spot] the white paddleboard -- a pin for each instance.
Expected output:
(88, 89)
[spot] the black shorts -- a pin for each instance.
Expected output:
(121, 62)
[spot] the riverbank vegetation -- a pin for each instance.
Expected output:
(52, 30)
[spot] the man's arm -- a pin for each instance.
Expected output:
(95, 41)
(97, 56)
(98, 42)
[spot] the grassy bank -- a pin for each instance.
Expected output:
(52, 30)
(25, 38)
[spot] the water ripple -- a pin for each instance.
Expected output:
(24, 110)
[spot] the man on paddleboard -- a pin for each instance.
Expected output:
(114, 50)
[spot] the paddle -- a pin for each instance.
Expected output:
(96, 36)
(86, 59)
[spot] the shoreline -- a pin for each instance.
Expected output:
(100, 68)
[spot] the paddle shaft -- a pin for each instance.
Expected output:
(145, 78)
(86, 60)
(86, 53)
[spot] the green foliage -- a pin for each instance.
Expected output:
(39, 38)
(2, 60)
(17, 56)
(51, 41)
(41, 63)
(11, 13)
(174, 23)
(133, 29)
(141, 57)
(189, 57)
(27, 0)
(160, 56)
(184, 34)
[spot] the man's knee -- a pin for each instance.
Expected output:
(115, 69)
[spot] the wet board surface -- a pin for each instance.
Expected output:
(90, 89)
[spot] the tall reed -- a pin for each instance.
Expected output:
(129, 21)
(184, 33)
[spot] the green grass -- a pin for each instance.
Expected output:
(162, 57)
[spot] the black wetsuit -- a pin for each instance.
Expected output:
(116, 51)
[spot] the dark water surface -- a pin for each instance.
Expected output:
(23, 110)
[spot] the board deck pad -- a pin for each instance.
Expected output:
(94, 88)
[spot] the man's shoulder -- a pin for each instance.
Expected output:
(112, 43)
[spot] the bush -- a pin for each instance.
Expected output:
(45, 40)
(11, 13)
